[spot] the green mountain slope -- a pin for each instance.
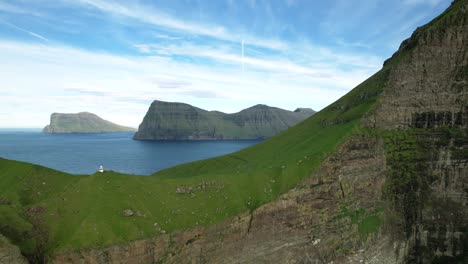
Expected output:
(178, 121)
(83, 122)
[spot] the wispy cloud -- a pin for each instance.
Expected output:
(166, 82)
(423, 2)
(4, 7)
(217, 54)
(344, 43)
(77, 90)
(143, 48)
(202, 94)
(271, 63)
(155, 17)
(167, 37)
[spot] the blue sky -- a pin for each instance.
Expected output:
(113, 58)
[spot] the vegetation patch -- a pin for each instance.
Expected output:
(369, 225)
(367, 222)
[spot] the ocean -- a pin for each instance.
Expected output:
(84, 153)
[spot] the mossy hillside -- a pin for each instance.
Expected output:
(421, 165)
(407, 188)
(86, 211)
(407, 191)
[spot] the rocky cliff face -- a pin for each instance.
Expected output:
(396, 192)
(83, 122)
(426, 102)
(178, 121)
(428, 85)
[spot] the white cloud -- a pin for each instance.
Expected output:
(168, 82)
(40, 79)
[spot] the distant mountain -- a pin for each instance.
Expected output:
(83, 122)
(179, 121)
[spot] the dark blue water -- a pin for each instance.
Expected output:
(84, 153)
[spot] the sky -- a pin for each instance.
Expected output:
(113, 58)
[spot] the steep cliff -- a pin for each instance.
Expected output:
(424, 113)
(396, 191)
(83, 122)
(178, 121)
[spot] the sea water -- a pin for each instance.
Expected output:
(84, 153)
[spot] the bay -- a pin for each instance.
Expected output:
(84, 153)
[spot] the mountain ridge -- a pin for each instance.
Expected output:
(181, 121)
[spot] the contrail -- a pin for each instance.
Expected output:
(243, 70)
(24, 30)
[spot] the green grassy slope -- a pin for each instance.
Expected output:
(86, 211)
(22, 185)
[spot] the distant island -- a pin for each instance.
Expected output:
(83, 122)
(179, 121)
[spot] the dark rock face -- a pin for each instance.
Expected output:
(426, 191)
(83, 122)
(440, 119)
(428, 85)
(178, 121)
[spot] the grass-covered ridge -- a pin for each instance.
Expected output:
(83, 122)
(86, 211)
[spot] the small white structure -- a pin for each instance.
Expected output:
(101, 169)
